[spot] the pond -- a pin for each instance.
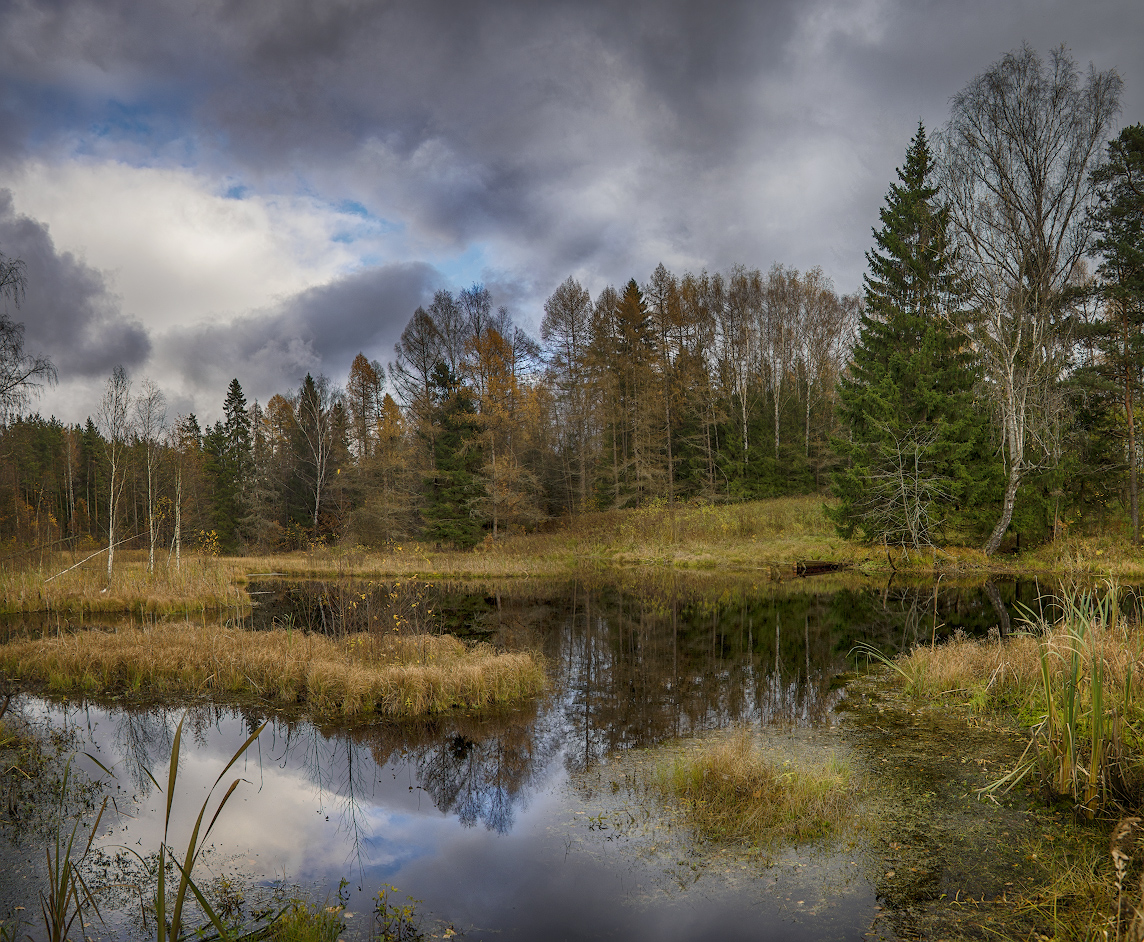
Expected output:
(536, 823)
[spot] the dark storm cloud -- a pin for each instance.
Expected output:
(318, 330)
(67, 311)
(475, 120)
(594, 137)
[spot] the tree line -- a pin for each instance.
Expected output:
(711, 386)
(982, 384)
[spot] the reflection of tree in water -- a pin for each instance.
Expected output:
(896, 616)
(477, 768)
(638, 671)
(143, 742)
(631, 668)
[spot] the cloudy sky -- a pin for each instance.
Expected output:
(205, 189)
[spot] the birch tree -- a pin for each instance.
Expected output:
(114, 420)
(150, 424)
(1019, 145)
(565, 328)
(316, 426)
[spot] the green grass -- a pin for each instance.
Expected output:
(308, 922)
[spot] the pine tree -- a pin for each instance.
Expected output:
(914, 446)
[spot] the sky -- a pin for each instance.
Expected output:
(204, 190)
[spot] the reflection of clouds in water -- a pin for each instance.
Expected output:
(308, 805)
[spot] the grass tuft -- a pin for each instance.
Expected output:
(395, 675)
(727, 791)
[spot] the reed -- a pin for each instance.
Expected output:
(391, 674)
(1071, 679)
(726, 790)
(67, 896)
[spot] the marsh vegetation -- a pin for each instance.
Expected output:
(728, 790)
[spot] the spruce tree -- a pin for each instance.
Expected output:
(228, 448)
(913, 447)
(451, 486)
(1119, 223)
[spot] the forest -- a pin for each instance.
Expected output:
(981, 388)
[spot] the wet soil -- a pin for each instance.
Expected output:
(946, 861)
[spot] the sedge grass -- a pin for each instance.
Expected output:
(727, 791)
(392, 674)
(1072, 680)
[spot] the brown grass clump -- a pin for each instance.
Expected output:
(727, 791)
(993, 673)
(362, 673)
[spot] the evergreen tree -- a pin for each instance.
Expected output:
(914, 444)
(451, 486)
(229, 460)
(1119, 220)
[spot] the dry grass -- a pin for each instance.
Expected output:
(1074, 681)
(727, 791)
(991, 673)
(765, 534)
(999, 674)
(393, 675)
(202, 583)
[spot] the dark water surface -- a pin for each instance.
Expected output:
(532, 824)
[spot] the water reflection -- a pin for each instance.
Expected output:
(460, 810)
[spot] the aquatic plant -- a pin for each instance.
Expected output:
(394, 921)
(170, 922)
(67, 894)
(726, 790)
(305, 922)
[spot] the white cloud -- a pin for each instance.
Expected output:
(175, 248)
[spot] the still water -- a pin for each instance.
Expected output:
(531, 823)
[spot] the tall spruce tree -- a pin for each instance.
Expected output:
(451, 486)
(913, 446)
(1119, 222)
(228, 448)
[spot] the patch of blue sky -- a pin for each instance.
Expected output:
(237, 191)
(44, 111)
(369, 223)
(143, 131)
(465, 269)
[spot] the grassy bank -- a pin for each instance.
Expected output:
(765, 539)
(1074, 681)
(395, 675)
(75, 589)
(727, 790)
